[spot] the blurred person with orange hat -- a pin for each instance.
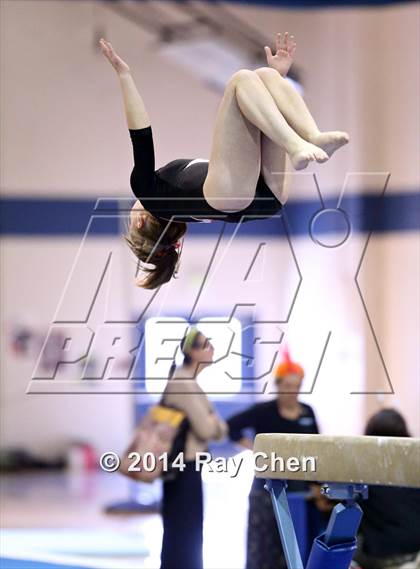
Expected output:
(284, 414)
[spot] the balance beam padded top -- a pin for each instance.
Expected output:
(388, 461)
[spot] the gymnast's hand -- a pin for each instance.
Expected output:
(117, 63)
(283, 58)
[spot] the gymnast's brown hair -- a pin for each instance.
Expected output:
(158, 243)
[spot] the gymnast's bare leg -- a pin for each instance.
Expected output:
(295, 111)
(289, 101)
(274, 121)
(248, 109)
(275, 168)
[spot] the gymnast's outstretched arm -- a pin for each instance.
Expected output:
(135, 110)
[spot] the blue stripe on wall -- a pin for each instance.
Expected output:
(43, 216)
(68, 217)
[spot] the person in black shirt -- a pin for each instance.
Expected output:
(390, 528)
(285, 414)
(261, 119)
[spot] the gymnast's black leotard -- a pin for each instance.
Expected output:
(175, 191)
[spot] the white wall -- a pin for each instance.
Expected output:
(32, 287)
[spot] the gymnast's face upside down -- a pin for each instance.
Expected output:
(156, 244)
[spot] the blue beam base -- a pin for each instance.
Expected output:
(334, 548)
(337, 556)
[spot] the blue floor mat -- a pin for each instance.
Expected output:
(71, 541)
(6, 563)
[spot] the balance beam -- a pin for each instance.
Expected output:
(387, 461)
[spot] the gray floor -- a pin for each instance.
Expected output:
(59, 517)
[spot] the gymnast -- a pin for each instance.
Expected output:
(260, 122)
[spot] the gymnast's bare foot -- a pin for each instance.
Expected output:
(330, 141)
(117, 63)
(307, 153)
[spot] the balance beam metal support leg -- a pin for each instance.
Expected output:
(334, 548)
(338, 556)
(277, 490)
